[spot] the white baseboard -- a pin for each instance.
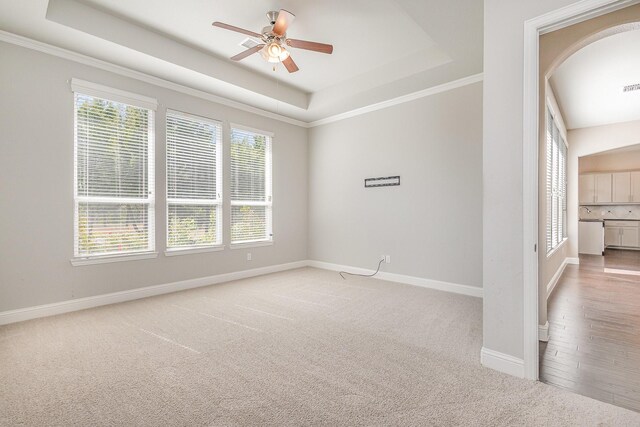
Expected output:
(473, 291)
(502, 362)
(61, 307)
(543, 332)
(556, 277)
(28, 313)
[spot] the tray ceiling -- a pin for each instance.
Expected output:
(383, 48)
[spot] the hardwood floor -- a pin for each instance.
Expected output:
(594, 325)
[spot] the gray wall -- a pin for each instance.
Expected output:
(36, 187)
(431, 224)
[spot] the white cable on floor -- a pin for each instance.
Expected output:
(342, 273)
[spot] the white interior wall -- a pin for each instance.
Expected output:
(431, 224)
(36, 187)
(548, 263)
(618, 161)
(503, 283)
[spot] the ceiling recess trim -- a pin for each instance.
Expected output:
(28, 43)
(400, 99)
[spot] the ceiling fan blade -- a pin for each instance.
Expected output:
(236, 29)
(247, 52)
(316, 47)
(290, 65)
(285, 18)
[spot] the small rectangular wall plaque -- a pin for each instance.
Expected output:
(386, 181)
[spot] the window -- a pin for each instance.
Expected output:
(114, 175)
(194, 182)
(556, 184)
(250, 186)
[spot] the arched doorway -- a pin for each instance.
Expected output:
(557, 233)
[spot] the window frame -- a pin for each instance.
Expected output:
(268, 186)
(219, 202)
(97, 91)
(555, 196)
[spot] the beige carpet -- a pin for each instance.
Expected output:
(297, 348)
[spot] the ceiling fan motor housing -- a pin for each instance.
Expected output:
(267, 32)
(272, 15)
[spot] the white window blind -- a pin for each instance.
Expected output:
(251, 204)
(114, 177)
(194, 181)
(556, 166)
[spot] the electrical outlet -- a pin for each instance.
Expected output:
(248, 256)
(387, 259)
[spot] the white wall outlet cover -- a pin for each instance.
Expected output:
(248, 256)
(387, 259)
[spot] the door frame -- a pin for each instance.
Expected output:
(533, 29)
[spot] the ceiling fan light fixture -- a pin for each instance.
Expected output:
(284, 54)
(274, 53)
(274, 49)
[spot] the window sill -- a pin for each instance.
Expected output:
(104, 259)
(189, 251)
(252, 244)
(557, 248)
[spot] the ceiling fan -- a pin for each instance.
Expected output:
(275, 41)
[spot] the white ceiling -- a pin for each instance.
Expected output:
(588, 85)
(382, 48)
(354, 52)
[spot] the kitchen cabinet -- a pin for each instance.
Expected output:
(586, 189)
(635, 186)
(629, 237)
(621, 187)
(609, 187)
(621, 233)
(595, 188)
(625, 187)
(591, 237)
(603, 188)
(612, 236)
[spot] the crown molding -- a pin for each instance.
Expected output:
(32, 44)
(400, 100)
(138, 75)
(578, 12)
